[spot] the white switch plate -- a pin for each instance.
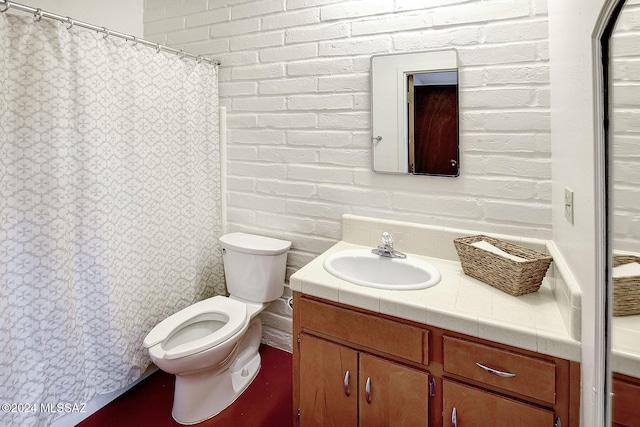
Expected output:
(568, 204)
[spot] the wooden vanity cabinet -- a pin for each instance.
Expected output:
(343, 387)
(625, 401)
(419, 375)
(357, 369)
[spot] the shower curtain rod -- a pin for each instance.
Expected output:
(39, 14)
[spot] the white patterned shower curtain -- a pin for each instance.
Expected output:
(109, 209)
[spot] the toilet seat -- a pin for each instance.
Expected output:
(234, 313)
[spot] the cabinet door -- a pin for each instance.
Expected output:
(474, 407)
(328, 384)
(392, 394)
(626, 411)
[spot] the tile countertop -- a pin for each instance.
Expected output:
(626, 345)
(458, 303)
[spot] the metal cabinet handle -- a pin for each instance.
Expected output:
(367, 390)
(346, 384)
(432, 387)
(454, 418)
(495, 371)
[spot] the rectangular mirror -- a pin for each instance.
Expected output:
(414, 113)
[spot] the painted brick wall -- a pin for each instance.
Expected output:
(295, 81)
(625, 127)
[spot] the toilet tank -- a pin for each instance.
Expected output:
(254, 266)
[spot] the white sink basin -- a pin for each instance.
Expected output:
(361, 267)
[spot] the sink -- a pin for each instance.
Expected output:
(361, 267)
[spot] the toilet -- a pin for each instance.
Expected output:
(212, 346)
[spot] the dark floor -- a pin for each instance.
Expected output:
(266, 403)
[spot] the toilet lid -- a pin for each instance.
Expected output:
(234, 311)
(254, 244)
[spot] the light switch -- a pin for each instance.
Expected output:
(568, 204)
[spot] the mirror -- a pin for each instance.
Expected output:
(622, 71)
(414, 113)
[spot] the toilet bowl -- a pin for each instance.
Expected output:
(212, 346)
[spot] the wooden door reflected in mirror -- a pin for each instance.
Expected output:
(433, 123)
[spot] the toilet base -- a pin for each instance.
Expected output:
(198, 397)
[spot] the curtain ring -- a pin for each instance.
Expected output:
(37, 15)
(135, 40)
(70, 22)
(199, 59)
(106, 32)
(7, 5)
(181, 54)
(158, 48)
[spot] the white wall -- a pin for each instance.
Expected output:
(578, 161)
(295, 80)
(625, 129)
(124, 16)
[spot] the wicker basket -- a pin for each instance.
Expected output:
(513, 277)
(626, 290)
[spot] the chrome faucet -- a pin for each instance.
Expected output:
(386, 248)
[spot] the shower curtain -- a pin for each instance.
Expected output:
(109, 209)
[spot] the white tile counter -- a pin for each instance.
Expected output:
(626, 345)
(458, 303)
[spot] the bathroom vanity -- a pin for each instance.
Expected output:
(459, 353)
(354, 367)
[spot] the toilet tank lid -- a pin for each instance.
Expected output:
(254, 244)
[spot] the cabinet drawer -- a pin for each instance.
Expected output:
(371, 332)
(626, 411)
(477, 408)
(525, 375)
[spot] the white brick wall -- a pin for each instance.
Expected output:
(625, 126)
(295, 80)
